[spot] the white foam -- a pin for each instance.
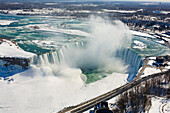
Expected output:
(46, 43)
(47, 27)
(67, 31)
(6, 22)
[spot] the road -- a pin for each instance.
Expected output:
(111, 94)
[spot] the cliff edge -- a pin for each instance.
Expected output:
(12, 58)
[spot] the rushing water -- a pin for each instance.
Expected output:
(75, 51)
(95, 46)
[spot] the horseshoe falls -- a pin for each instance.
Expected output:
(130, 59)
(106, 50)
(77, 59)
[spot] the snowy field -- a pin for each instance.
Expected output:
(37, 90)
(160, 105)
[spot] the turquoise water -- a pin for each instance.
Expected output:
(152, 49)
(25, 36)
(42, 35)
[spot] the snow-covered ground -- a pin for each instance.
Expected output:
(37, 90)
(151, 70)
(141, 34)
(13, 58)
(160, 105)
(161, 12)
(120, 11)
(9, 49)
(160, 41)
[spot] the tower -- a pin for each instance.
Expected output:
(160, 6)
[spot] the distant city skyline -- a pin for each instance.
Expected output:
(127, 0)
(139, 0)
(90, 0)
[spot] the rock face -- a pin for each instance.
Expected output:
(12, 58)
(7, 61)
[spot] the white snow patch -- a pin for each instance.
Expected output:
(149, 3)
(6, 22)
(82, 11)
(151, 70)
(141, 34)
(139, 45)
(119, 11)
(152, 58)
(9, 49)
(150, 62)
(160, 105)
(160, 41)
(162, 12)
(166, 35)
(51, 3)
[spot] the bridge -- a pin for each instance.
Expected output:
(82, 107)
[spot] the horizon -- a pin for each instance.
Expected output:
(85, 0)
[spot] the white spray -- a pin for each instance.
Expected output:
(38, 91)
(99, 55)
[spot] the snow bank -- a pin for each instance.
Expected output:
(141, 34)
(161, 12)
(151, 70)
(13, 59)
(119, 11)
(10, 49)
(160, 105)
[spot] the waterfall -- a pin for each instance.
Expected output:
(105, 50)
(57, 57)
(128, 56)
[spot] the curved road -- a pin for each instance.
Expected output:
(105, 97)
